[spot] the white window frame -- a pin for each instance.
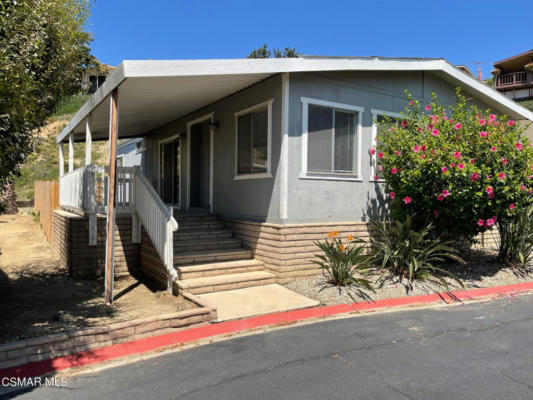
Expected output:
(304, 174)
(258, 175)
(373, 158)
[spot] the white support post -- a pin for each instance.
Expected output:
(61, 160)
(135, 220)
(88, 141)
(90, 198)
(70, 152)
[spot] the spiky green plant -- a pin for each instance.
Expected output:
(344, 263)
(402, 251)
(516, 238)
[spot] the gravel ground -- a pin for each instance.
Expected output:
(480, 271)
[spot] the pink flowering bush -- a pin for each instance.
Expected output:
(461, 169)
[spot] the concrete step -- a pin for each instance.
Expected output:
(226, 282)
(217, 269)
(194, 218)
(199, 245)
(211, 256)
(210, 234)
(188, 226)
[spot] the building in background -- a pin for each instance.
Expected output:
(93, 78)
(513, 76)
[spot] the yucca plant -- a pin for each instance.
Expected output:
(344, 264)
(407, 253)
(516, 238)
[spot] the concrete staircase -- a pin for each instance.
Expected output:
(209, 259)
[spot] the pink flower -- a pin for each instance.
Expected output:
(492, 117)
(483, 134)
(423, 156)
(394, 171)
(423, 147)
(510, 122)
(461, 166)
(380, 167)
(511, 206)
(501, 175)
(380, 155)
(392, 195)
(504, 160)
(406, 199)
(428, 107)
(458, 126)
(474, 177)
(519, 146)
(411, 103)
(493, 149)
(404, 123)
(444, 169)
(482, 122)
(440, 197)
(445, 193)
(491, 195)
(452, 165)
(435, 213)
(398, 153)
(480, 222)
(416, 149)
(435, 132)
(522, 187)
(472, 161)
(490, 222)
(457, 155)
(489, 189)
(376, 177)
(372, 151)
(432, 117)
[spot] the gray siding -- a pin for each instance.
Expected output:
(332, 200)
(254, 199)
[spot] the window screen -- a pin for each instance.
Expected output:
(252, 142)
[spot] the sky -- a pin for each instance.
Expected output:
(461, 31)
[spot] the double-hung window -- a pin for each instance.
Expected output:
(330, 140)
(381, 122)
(253, 141)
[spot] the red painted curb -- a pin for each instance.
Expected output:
(178, 338)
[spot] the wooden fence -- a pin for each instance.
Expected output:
(46, 201)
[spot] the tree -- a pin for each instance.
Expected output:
(265, 52)
(460, 168)
(43, 49)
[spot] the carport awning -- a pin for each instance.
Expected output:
(154, 93)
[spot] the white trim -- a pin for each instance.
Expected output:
(120, 156)
(373, 158)
(260, 175)
(88, 141)
(304, 173)
(71, 152)
(165, 141)
(326, 177)
(203, 118)
(61, 159)
(284, 151)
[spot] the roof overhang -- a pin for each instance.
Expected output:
(153, 93)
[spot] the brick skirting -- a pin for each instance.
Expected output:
(70, 238)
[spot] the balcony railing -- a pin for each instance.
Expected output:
(514, 80)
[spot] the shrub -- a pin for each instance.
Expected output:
(516, 238)
(342, 263)
(405, 252)
(460, 169)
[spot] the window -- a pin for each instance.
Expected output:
(378, 127)
(330, 139)
(253, 135)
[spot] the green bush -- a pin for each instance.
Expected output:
(460, 169)
(516, 238)
(344, 264)
(404, 252)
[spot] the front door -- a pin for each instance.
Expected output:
(170, 179)
(200, 135)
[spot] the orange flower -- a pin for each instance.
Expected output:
(341, 247)
(329, 235)
(335, 233)
(350, 237)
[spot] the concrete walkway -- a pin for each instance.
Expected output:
(258, 300)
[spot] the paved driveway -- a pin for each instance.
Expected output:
(476, 351)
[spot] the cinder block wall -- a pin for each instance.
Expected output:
(70, 238)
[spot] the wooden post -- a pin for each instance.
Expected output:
(110, 239)
(61, 160)
(70, 152)
(88, 142)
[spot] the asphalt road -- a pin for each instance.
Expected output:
(475, 351)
